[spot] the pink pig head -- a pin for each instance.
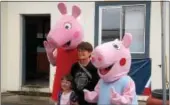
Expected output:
(67, 32)
(113, 59)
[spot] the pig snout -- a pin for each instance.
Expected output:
(97, 59)
(52, 41)
(59, 37)
(102, 57)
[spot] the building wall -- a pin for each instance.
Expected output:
(12, 35)
(168, 38)
(155, 44)
(11, 41)
(4, 45)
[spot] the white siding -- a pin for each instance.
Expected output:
(4, 45)
(155, 44)
(12, 35)
(167, 37)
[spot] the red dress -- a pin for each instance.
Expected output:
(64, 61)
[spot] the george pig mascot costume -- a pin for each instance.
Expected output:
(61, 44)
(113, 60)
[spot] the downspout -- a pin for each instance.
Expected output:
(163, 22)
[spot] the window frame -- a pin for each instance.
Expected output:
(97, 36)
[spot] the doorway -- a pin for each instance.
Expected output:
(35, 62)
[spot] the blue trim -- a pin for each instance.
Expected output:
(140, 72)
(147, 25)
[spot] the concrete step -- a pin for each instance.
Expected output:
(26, 100)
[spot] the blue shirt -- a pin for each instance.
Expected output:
(118, 85)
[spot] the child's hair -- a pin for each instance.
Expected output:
(67, 77)
(85, 46)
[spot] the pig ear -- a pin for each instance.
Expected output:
(127, 39)
(62, 8)
(76, 11)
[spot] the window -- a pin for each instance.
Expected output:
(113, 19)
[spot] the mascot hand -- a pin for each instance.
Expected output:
(115, 97)
(49, 47)
(90, 96)
(86, 94)
(85, 91)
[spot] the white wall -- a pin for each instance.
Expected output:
(4, 45)
(12, 35)
(155, 44)
(167, 37)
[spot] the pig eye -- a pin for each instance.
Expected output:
(116, 46)
(67, 26)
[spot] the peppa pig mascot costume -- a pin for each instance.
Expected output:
(113, 60)
(61, 44)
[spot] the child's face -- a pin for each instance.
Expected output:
(65, 85)
(83, 54)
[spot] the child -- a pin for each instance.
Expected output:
(67, 96)
(84, 74)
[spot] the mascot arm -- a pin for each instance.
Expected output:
(126, 97)
(52, 57)
(51, 52)
(92, 96)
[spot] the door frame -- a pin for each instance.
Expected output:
(23, 46)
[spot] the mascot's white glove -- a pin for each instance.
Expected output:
(85, 90)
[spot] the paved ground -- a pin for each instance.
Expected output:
(25, 100)
(8, 99)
